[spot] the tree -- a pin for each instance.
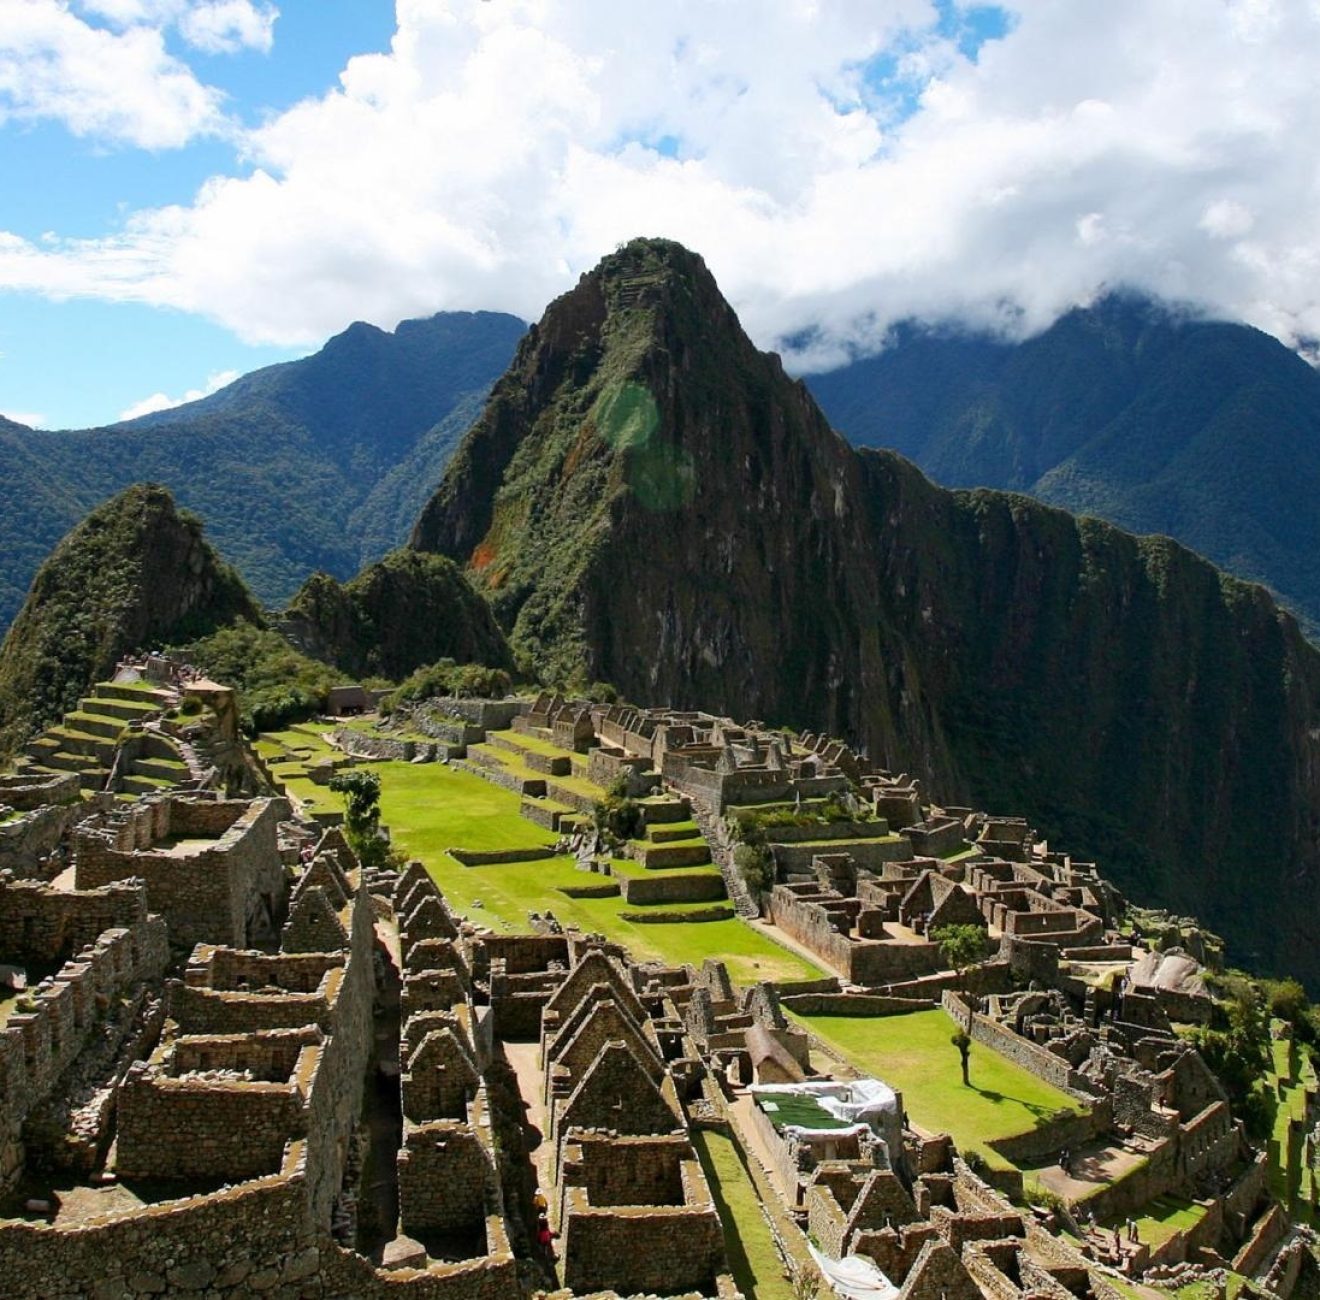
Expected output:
(962, 946)
(361, 791)
(962, 1040)
(756, 865)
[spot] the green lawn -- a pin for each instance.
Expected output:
(913, 1054)
(430, 808)
(1163, 1217)
(748, 1244)
(1290, 1178)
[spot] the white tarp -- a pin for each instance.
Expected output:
(854, 1277)
(856, 1101)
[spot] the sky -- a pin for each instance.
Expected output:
(190, 189)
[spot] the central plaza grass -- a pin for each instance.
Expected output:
(912, 1053)
(431, 808)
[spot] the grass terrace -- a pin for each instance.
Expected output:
(913, 1054)
(1291, 1180)
(432, 807)
(1162, 1218)
(748, 1243)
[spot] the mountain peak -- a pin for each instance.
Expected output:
(135, 573)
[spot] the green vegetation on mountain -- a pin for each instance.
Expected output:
(321, 463)
(1203, 430)
(135, 573)
(405, 612)
(276, 683)
(648, 500)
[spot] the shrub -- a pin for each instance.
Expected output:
(619, 818)
(756, 865)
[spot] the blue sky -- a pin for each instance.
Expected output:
(195, 188)
(83, 362)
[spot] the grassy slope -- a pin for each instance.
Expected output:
(431, 808)
(912, 1053)
(747, 1241)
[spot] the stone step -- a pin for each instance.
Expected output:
(156, 696)
(663, 833)
(109, 707)
(681, 887)
(92, 724)
(59, 761)
(169, 770)
(550, 764)
(545, 812)
(667, 857)
(135, 783)
(666, 810)
(79, 742)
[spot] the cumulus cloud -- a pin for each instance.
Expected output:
(160, 402)
(116, 83)
(840, 167)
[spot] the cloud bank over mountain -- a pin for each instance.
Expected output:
(839, 166)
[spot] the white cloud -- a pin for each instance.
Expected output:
(121, 86)
(499, 149)
(227, 26)
(213, 26)
(160, 402)
(33, 419)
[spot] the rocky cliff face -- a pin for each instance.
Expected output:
(135, 573)
(405, 612)
(649, 500)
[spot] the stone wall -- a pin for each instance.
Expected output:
(680, 887)
(214, 895)
(41, 925)
(360, 745)
(226, 1241)
(447, 1180)
(27, 840)
(38, 1044)
(859, 961)
(659, 1250)
(172, 1126)
(1021, 1051)
(27, 791)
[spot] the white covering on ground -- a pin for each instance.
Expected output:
(856, 1101)
(1173, 970)
(854, 1277)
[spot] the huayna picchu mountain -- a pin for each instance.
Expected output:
(134, 574)
(649, 500)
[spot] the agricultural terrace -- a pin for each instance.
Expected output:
(431, 808)
(913, 1054)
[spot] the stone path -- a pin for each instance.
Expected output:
(1092, 1167)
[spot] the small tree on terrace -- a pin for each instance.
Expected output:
(361, 791)
(962, 946)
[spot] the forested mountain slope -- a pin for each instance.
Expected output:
(315, 464)
(1160, 422)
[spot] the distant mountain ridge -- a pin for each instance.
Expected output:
(650, 501)
(1151, 418)
(317, 464)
